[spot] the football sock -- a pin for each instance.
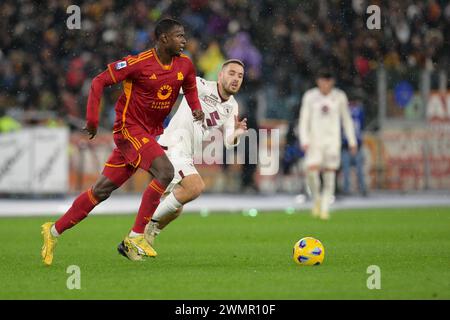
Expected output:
(313, 180)
(54, 232)
(328, 189)
(169, 205)
(133, 234)
(79, 210)
(149, 203)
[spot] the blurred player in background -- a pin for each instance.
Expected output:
(151, 83)
(182, 136)
(323, 110)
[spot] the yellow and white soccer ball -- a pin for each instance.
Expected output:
(308, 251)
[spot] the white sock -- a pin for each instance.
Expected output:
(313, 181)
(328, 190)
(54, 232)
(133, 234)
(169, 205)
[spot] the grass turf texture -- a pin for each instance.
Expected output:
(230, 256)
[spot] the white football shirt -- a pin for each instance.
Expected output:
(185, 134)
(321, 118)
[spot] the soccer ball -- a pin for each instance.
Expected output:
(308, 252)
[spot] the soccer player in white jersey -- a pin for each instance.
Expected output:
(324, 109)
(183, 135)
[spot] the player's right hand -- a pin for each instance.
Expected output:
(90, 130)
(305, 147)
(198, 115)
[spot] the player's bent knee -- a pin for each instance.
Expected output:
(103, 189)
(164, 172)
(198, 189)
(101, 193)
(166, 175)
(194, 188)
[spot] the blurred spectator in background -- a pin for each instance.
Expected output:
(44, 65)
(347, 159)
(210, 62)
(291, 156)
(248, 183)
(47, 68)
(8, 123)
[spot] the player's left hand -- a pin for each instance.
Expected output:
(90, 130)
(240, 127)
(198, 115)
(353, 150)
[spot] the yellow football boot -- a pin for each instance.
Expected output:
(136, 248)
(49, 243)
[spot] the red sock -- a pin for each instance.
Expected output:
(79, 210)
(149, 203)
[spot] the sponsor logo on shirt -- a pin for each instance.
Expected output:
(210, 101)
(164, 92)
(121, 65)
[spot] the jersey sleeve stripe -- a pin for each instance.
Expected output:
(132, 61)
(141, 55)
(111, 73)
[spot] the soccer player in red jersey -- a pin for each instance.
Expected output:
(151, 82)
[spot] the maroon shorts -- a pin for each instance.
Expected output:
(135, 149)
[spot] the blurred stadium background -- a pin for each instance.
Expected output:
(398, 76)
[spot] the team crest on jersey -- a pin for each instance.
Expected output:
(325, 109)
(180, 76)
(228, 109)
(121, 65)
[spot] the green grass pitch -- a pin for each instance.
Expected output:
(231, 256)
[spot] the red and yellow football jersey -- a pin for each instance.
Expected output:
(150, 90)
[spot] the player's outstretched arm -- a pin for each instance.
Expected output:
(191, 94)
(95, 94)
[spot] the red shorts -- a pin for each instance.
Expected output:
(135, 149)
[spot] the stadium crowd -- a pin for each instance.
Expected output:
(46, 66)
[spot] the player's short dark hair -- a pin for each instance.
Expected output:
(326, 73)
(237, 61)
(165, 25)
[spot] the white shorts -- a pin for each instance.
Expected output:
(323, 156)
(183, 166)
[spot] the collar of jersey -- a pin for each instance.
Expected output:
(163, 66)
